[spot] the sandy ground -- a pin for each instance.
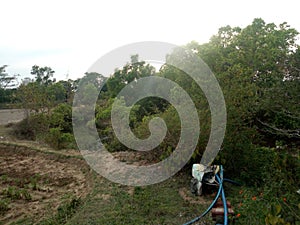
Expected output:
(11, 115)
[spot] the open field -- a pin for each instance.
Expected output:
(33, 184)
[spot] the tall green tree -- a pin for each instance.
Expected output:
(8, 84)
(7, 80)
(43, 75)
(40, 95)
(131, 71)
(257, 67)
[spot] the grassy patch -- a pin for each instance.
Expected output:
(112, 203)
(4, 206)
(64, 212)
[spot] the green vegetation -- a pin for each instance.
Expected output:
(258, 70)
(64, 212)
(7, 90)
(156, 204)
(15, 193)
(4, 206)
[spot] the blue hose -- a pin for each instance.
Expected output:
(213, 202)
(220, 179)
(232, 181)
(208, 209)
(225, 208)
(221, 193)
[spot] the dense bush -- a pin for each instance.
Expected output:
(32, 127)
(61, 116)
(59, 140)
(54, 129)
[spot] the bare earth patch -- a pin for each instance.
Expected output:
(187, 196)
(36, 183)
(11, 115)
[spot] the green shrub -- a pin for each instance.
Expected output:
(67, 141)
(59, 140)
(261, 163)
(61, 116)
(272, 199)
(53, 137)
(31, 127)
(55, 128)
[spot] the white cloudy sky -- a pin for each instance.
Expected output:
(69, 36)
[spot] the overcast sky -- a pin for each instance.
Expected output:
(69, 36)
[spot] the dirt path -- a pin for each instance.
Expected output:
(11, 116)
